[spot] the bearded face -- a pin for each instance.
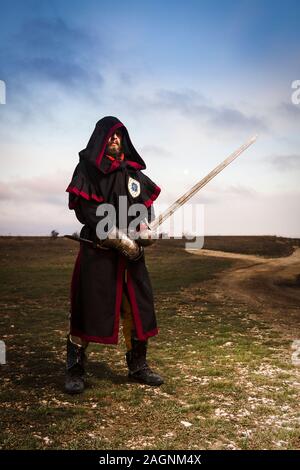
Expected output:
(114, 144)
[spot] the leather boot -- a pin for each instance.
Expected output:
(74, 380)
(139, 371)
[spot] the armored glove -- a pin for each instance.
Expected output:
(121, 242)
(146, 235)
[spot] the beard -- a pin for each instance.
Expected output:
(114, 151)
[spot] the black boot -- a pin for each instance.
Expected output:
(74, 381)
(139, 371)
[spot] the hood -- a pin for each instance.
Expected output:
(94, 153)
(95, 176)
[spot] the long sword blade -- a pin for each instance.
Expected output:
(186, 196)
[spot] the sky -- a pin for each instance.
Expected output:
(191, 80)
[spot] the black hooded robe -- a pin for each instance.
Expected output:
(98, 277)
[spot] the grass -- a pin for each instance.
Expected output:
(226, 374)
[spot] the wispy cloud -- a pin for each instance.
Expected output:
(196, 107)
(155, 150)
(289, 110)
(48, 64)
(230, 118)
(49, 189)
(52, 50)
(284, 162)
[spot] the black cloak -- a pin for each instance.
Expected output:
(98, 277)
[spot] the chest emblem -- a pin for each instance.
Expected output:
(134, 187)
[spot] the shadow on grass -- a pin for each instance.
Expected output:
(102, 371)
(42, 369)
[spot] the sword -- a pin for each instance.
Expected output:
(186, 196)
(152, 226)
(93, 244)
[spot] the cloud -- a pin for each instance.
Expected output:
(49, 66)
(289, 110)
(35, 206)
(65, 73)
(49, 189)
(193, 106)
(49, 49)
(155, 150)
(284, 162)
(185, 101)
(212, 194)
(35, 218)
(218, 192)
(231, 118)
(52, 72)
(266, 214)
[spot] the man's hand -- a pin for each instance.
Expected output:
(121, 242)
(146, 236)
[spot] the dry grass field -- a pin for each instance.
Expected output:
(228, 317)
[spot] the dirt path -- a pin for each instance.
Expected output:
(270, 285)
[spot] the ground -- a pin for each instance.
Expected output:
(228, 324)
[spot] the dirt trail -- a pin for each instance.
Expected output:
(271, 285)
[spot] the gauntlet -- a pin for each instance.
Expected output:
(121, 242)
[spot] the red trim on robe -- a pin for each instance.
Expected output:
(85, 195)
(153, 196)
(121, 158)
(115, 336)
(75, 280)
(135, 165)
(135, 311)
(117, 161)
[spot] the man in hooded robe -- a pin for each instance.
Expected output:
(106, 283)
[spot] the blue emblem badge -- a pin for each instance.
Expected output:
(134, 187)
